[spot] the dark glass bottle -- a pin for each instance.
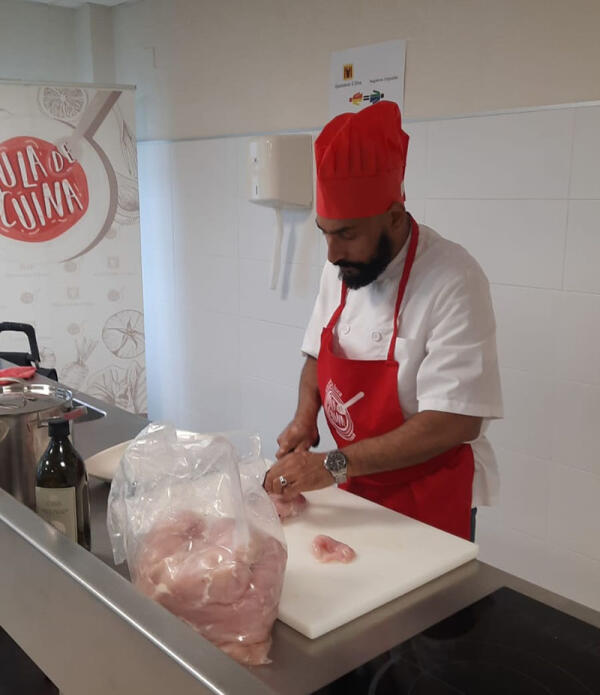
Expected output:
(61, 486)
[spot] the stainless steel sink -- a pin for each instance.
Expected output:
(92, 413)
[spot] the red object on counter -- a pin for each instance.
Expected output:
(17, 373)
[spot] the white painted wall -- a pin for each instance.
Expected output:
(95, 45)
(46, 43)
(234, 66)
(522, 193)
(239, 66)
(38, 42)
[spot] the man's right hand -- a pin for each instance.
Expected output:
(299, 435)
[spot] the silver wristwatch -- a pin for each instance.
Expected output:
(337, 464)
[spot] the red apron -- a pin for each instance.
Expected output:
(360, 400)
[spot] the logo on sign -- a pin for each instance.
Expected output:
(358, 97)
(348, 71)
(43, 190)
(337, 411)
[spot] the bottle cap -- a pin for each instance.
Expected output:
(58, 428)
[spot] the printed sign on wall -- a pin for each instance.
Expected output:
(365, 75)
(70, 257)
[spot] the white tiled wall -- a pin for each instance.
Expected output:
(522, 193)
(225, 346)
(517, 242)
(521, 156)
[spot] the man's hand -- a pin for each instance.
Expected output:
(303, 470)
(299, 435)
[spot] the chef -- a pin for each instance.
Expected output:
(400, 348)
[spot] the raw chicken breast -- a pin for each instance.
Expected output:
(190, 564)
(327, 549)
(287, 508)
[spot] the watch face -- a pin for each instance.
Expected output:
(336, 462)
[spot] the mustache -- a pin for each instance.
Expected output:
(348, 264)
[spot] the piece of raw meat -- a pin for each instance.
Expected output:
(287, 508)
(190, 564)
(327, 549)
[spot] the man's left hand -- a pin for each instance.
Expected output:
(303, 471)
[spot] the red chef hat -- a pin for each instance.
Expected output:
(361, 159)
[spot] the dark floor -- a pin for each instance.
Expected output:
(18, 674)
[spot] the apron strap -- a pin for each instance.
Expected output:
(337, 313)
(408, 263)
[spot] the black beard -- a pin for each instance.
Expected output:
(366, 273)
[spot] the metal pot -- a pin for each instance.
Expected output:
(24, 413)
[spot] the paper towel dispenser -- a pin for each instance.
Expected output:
(280, 171)
(280, 176)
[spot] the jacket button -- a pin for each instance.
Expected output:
(345, 329)
(376, 336)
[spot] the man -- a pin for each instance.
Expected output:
(401, 346)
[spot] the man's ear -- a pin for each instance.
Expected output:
(398, 214)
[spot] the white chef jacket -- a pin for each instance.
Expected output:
(446, 345)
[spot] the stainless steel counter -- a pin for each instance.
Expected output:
(89, 630)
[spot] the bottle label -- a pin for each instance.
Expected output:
(57, 505)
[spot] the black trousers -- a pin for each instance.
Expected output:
(473, 515)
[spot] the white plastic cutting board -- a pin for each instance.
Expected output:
(395, 554)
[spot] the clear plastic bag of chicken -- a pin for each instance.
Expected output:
(200, 535)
